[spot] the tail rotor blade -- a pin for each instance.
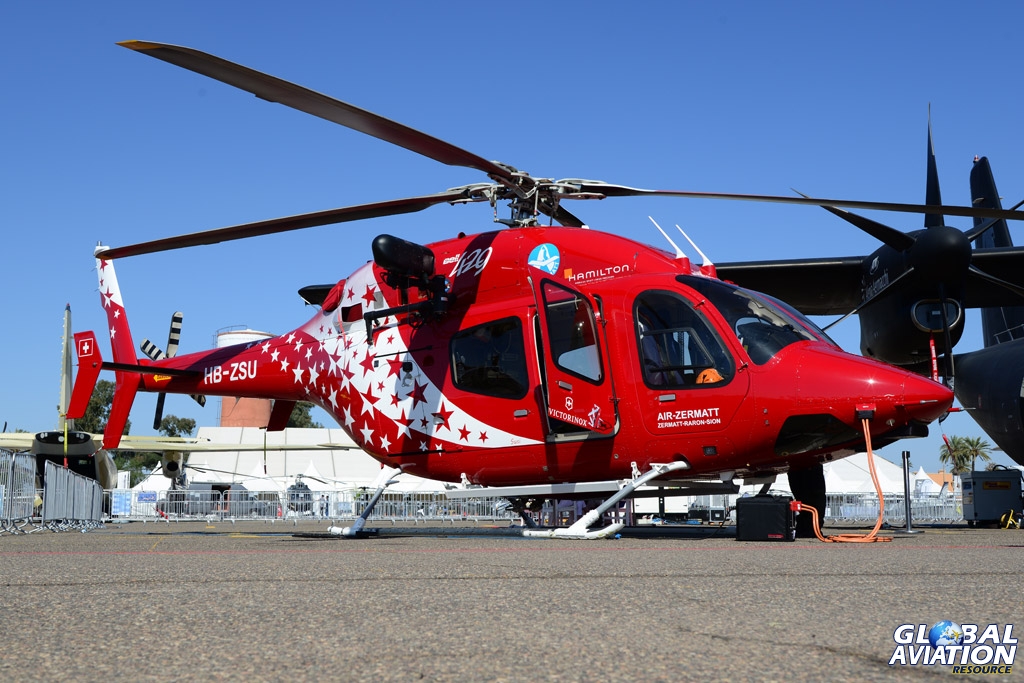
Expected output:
(152, 350)
(156, 353)
(159, 417)
(175, 334)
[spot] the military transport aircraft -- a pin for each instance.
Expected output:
(534, 355)
(910, 296)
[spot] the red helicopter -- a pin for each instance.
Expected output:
(533, 355)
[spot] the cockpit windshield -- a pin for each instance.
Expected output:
(803, 319)
(762, 325)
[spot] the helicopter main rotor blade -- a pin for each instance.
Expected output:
(611, 190)
(297, 222)
(977, 230)
(274, 89)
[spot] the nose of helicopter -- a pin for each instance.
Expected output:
(895, 396)
(924, 399)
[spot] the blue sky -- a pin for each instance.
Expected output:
(104, 145)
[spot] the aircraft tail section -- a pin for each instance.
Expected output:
(117, 321)
(123, 349)
(997, 324)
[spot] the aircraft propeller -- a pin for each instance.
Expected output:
(939, 257)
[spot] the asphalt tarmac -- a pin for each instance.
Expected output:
(254, 601)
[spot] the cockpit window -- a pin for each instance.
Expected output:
(490, 359)
(763, 327)
(677, 346)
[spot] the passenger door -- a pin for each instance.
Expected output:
(577, 388)
(690, 381)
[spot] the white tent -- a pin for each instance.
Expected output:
(156, 481)
(259, 481)
(328, 458)
(922, 484)
(853, 475)
(850, 475)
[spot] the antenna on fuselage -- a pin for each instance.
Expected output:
(679, 252)
(705, 261)
(706, 266)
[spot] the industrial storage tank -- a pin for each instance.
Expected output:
(243, 412)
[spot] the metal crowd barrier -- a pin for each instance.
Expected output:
(239, 505)
(67, 500)
(18, 495)
(70, 500)
(863, 508)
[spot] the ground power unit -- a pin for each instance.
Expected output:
(988, 495)
(765, 518)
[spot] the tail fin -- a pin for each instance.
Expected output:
(932, 195)
(90, 361)
(123, 348)
(997, 324)
(66, 369)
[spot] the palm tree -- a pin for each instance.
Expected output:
(976, 448)
(954, 453)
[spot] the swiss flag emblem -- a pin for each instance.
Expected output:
(84, 348)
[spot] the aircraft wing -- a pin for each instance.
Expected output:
(813, 286)
(22, 441)
(16, 441)
(1005, 263)
(192, 445)
(832, 286)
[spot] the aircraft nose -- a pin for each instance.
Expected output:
(832, 391)
(896, 396)
(923, 399)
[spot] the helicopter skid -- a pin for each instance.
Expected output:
(577, 531)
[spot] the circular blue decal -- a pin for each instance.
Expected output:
(546, 257)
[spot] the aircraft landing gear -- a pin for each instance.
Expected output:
(808, 486)
(522, 507)
(579, 530)
(356, 530)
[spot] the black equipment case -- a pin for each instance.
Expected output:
(765, 518)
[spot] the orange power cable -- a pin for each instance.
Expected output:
(871, 537)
